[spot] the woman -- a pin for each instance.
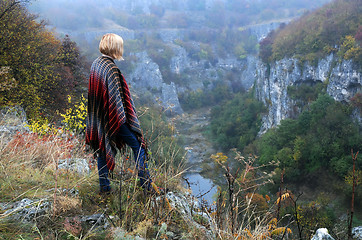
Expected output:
(112, 120)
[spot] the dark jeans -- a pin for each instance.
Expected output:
(139, 155)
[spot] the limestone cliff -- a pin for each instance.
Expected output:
(342, 78)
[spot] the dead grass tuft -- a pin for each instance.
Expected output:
(67, 205)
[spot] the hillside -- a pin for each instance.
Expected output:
(285, 119)
(334, 28)
(312, 120)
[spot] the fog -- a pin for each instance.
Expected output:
(135, 14)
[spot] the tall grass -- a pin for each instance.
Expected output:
(240, 212)
(29, 169)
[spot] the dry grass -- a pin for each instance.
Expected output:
(241, 213)
(28, 166)
(28, 169)
(66, 204)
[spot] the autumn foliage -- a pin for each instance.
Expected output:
(318, 33)
(38, 70)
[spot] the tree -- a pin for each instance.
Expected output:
(320, 138)
(73, 62)
(30, 53)
(8, 6)
(237, 122)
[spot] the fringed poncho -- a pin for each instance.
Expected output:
(109, 106)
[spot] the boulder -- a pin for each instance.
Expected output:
(95, 221)
(80, 165)
(322, 234)
(186, 205)
(357, 233)
(25, 210)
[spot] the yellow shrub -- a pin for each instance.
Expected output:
(75, 117)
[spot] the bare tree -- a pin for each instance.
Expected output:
(354, 180)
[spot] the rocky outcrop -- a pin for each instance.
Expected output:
(262, 30)
(249, 68)
(180, 61)
(186, 206)
(343, 81)
(357, 233)
(79, 165)
(147, 78)
(170, 99)
(12, 121)
(146, 75)
(322, 234)
(25, 210)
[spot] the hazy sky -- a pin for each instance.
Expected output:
(90, 13)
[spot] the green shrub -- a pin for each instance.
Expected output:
(236, 123)
(320, 138)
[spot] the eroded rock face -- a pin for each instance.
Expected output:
(342, 79)
(180, 61)
(170, 99)
(146, 75)
(147, 78)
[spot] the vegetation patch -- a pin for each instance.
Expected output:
(317, 34)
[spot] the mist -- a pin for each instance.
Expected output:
(147, 14)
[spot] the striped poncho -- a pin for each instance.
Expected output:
(109, 106)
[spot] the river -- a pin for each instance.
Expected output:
(190, 127)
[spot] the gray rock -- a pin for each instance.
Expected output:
(95, 221)
(25, 210)
(248, 75)
(342, 79)
(170, 99)
(228, 63)
(182, 203)
(357, 233)
(322, 234)
(180, 61)
(147, 78)
(80, 165)
(12, 120)
(146, 75)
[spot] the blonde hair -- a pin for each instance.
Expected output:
(112, 45)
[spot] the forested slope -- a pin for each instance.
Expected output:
(38, 71)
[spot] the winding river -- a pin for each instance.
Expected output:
(190, 127)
